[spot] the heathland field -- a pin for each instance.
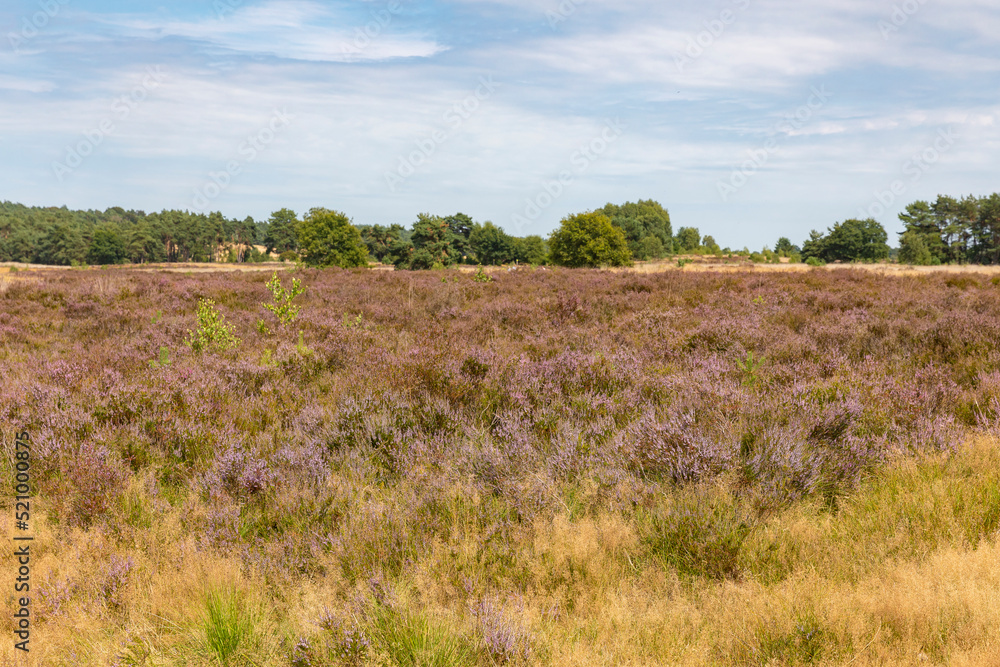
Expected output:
(551, 467)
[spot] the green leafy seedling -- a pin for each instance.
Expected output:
(283, 308)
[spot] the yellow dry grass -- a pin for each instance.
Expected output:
(707, 264)
(699, 263)
(891, 578)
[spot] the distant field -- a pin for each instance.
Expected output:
(759, 466)
(194, 267)
(702, 264)
(698, 263)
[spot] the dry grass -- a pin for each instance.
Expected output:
(176, 267)
(701, 263)
(876, 583)
(8, 280)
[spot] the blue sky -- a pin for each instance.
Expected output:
(749, 119)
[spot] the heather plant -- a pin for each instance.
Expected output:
(350, 647)
(303, 654)
(671, 448)
(239, 474)
(54, 597)
(503, 638)
(116, 578)
(342, 643)
(92, 480)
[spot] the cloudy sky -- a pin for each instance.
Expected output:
(749, 119)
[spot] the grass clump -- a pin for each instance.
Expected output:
(801, 640)
(411, 639)
(699, 535)
(231, 635)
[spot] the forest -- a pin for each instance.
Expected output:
(946, 231)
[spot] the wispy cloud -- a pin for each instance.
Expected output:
(24, 84)
(293, 30)
(365, 81)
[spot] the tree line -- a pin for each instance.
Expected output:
(951, 231)
(115, 236)
(60, 236)
(946, 231)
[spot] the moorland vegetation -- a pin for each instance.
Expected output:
(548, 466)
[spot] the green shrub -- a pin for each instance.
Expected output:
(750, 367)
(481, 276)
(589, 240)
(474, 369)
(163, 361)
(328, 238)
(212, 331)
(283, 308)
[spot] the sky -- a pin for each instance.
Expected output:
(748, 119)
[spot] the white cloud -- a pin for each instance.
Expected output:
(294, 30)
(25, 85)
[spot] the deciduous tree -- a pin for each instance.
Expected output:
(589, 239)
(327, 238)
